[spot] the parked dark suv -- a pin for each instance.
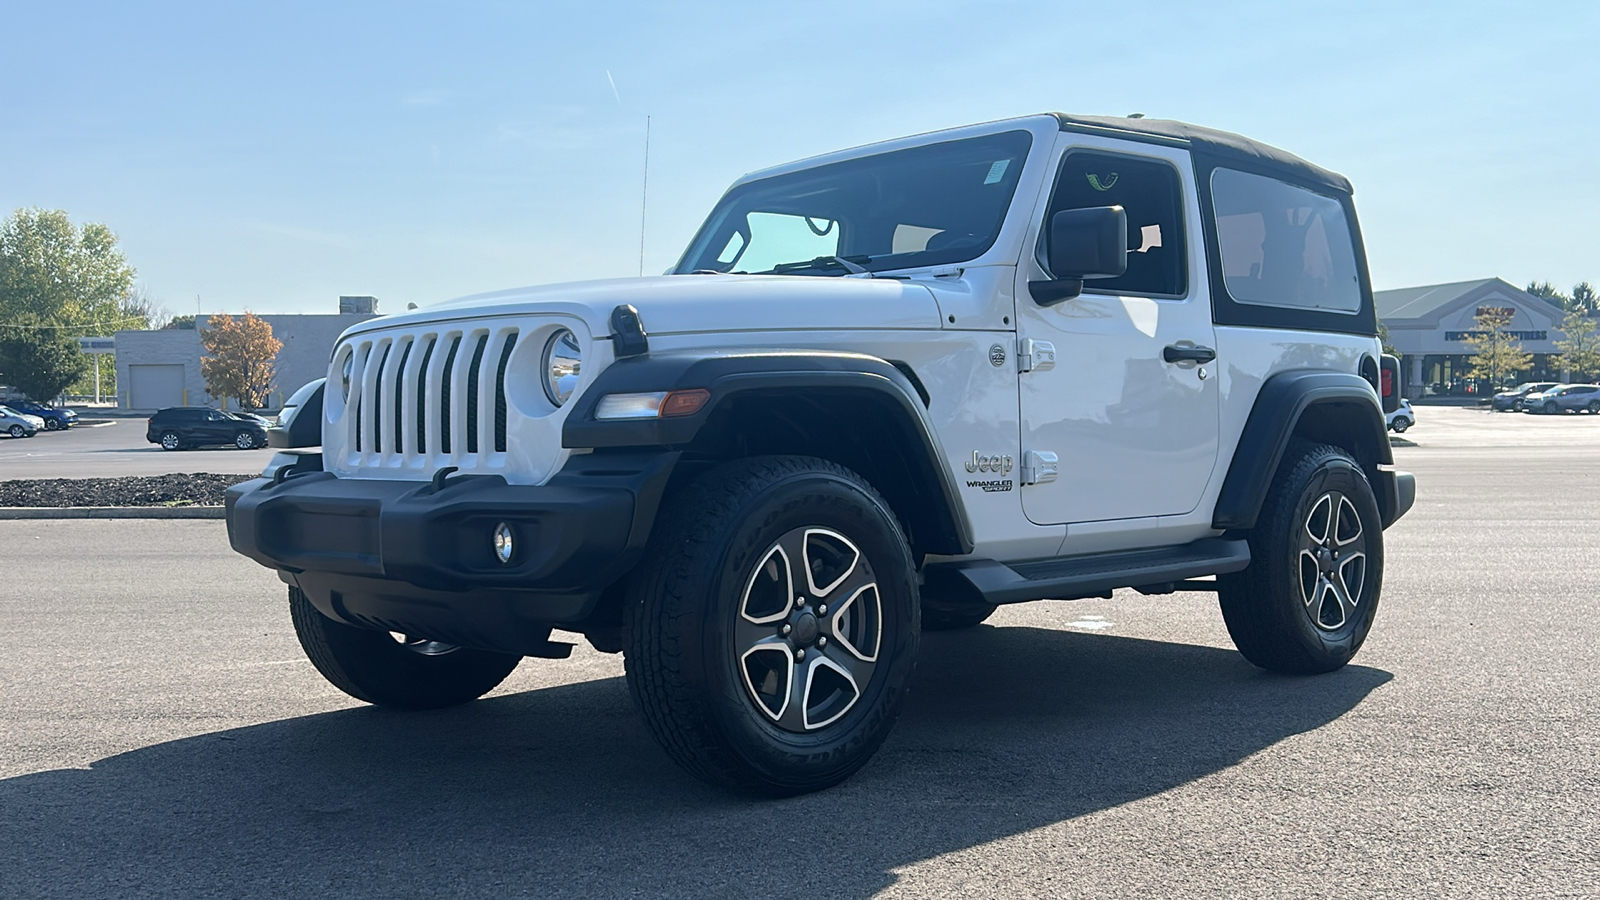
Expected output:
(182, 427)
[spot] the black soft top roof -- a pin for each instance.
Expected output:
(1224, 145)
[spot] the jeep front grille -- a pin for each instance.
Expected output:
(428, 398)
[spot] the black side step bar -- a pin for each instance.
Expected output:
(1076, 577)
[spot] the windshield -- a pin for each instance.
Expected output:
(932, 205)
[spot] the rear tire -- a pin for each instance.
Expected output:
(171, 441)
(1594, 406)
(954, 618)
(376, 667)
(1308, 599)
(1400, 426)
(749, 674)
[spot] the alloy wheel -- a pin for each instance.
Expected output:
(169, 441)
(17, 431)
(1333, 561)
(244, 441)
(808, 630)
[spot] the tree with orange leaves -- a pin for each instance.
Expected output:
(242, 359)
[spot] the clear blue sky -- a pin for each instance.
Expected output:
(273, 156)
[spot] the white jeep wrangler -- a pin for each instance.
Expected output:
(884, 390)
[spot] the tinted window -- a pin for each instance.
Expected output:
(931, 205)
(1283, 245)
(1149, 192)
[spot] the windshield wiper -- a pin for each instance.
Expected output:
(846, 263)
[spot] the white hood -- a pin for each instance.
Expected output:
(679, 304)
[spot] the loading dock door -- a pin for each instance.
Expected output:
(155, 387)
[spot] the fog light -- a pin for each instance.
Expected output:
(502, 542)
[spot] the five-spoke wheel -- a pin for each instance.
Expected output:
(809, 629)
(1333, 561)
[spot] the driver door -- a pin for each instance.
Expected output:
(1130, 407)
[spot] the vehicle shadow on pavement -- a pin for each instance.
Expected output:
(561, 792)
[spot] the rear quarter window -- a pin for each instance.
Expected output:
(1282, 245)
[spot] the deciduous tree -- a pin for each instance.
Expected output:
(1499, 355)
(39, 361)
(1580, 348)
(241, 358)
(61, 273)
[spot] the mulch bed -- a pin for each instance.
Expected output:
(200, 489)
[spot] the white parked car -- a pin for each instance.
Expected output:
(1401, 417)
(19, 424)
(883, 390)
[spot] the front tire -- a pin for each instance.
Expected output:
(52, 425)
(1307, 601)
(18, 431)
(403, 672)
(244, 440)
(1550, 408)
(773, 627)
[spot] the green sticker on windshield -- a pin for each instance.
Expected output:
(1094, 182)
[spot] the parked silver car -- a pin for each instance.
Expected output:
(19, 424)
(1564, 398)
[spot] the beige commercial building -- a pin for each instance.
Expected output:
(157, 369)
(1429, 326)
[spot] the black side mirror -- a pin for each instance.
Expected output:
(1081, 244)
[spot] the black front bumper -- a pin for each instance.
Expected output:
(418, 557)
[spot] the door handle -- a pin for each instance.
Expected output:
(1174, 353)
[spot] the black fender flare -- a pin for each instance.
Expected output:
(301, 424)
(738, 374)
(1284, 401)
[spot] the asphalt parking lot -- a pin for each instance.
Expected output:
(113, 449)
(164, 736)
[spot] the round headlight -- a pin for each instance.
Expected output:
(563, 362)
(344, 374)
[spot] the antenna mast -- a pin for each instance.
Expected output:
(644, 195)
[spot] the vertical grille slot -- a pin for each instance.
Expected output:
(377, 401)
(422, 397)
(500, 394)
(473, 372)
(358, 381)
(398, 404)
(445, 395)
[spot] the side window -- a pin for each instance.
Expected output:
(1283, 245)
(1151, 194)
(214, 416)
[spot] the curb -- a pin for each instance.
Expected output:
(112, 512)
